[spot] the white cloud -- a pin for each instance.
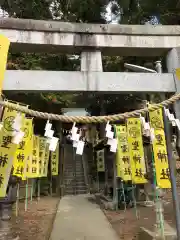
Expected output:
(3, 13)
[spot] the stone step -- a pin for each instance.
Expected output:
(74, 166)
(70, 175)
(80, 187)
(73, 172)
(73, 178)
(73, 192)
(72, 163)
(80, 183)
(73, 169)
(77, 179)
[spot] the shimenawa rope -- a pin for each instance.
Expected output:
(89, 119)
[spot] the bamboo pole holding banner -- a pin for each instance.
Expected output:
(134, 201)
(124, 197)
(115, 194)
(51, 192)
(74, 168)
(39, 189)
(32, 189)
(98, 187)
(115, 189)
(26, 197)
(17, 200)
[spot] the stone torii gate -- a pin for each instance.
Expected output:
(92, 41)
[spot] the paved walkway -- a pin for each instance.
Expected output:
(79, 218)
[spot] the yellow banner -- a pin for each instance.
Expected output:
(4, 47)
(136, 150)
(159, 148)
(7, 149)
(21, 155)
(100, 161)
(122, 155)
(55, 162)
(42, 147)
(46, 161)
(33, 165)
(29, 148)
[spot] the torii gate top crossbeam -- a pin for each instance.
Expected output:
(112, 39)
(68, 27)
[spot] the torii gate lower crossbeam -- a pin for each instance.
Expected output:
(86, 81)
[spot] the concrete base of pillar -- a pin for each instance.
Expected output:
(147, 234)
(6, 212)
(6, 231)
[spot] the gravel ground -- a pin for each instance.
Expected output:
(127, 225)
(36, 223)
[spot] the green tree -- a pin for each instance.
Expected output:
(140, 11)
(35, 9)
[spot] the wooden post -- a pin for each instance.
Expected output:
(39, 188)
(26, 197)
(115, 195)
(59, 178)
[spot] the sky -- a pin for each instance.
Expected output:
(3, 13)
(111, 18)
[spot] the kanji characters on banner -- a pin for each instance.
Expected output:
(159, 149)
(29, 148)
(21, 155)
(100, 161)
(46, 160)
(33, 171)
(7, 149)
(123, 155)
(42, 148)
(136, 150)
(55, 161)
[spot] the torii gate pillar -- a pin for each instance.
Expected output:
(91, 61)
(173, 63)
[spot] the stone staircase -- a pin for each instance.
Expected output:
(74, 179)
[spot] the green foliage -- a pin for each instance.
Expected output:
(35, 9)
(88, 11)
(42, 61)
(68, 10)
(131, 11)
(138, 11)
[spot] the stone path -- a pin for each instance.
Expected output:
(80, 218)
